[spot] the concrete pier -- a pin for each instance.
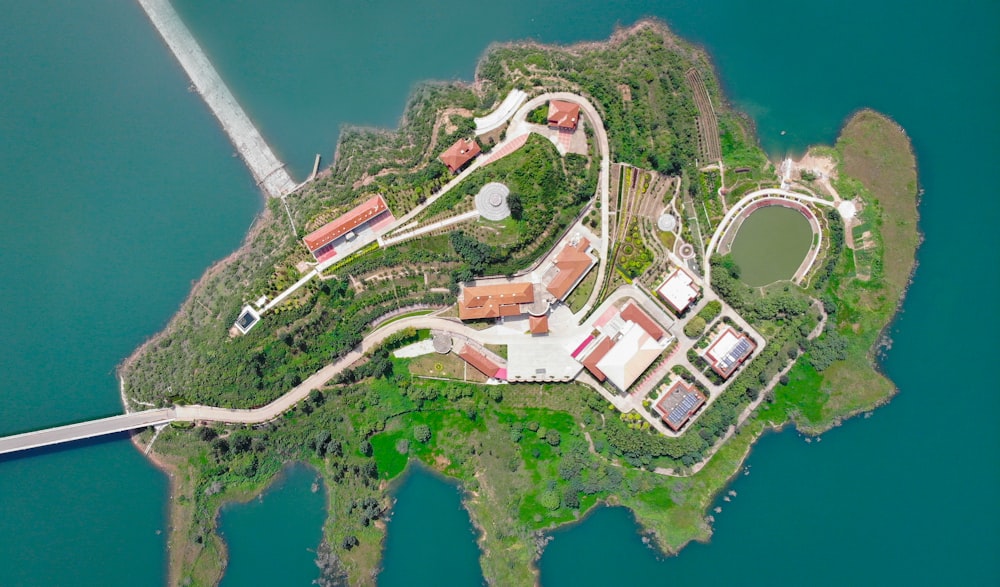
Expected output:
(269, 173)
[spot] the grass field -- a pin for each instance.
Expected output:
(879, 167)
(581, 294)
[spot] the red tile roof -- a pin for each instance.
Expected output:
(563, 114)
(459, 154)
(539, 324)
(478, 360)
(493, 301)
(595, 356)
(573, 263)
(672, 398)
(346, 223)
(632, 311)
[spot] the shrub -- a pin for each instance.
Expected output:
(549, 500)
(695, 327)
(422, 433)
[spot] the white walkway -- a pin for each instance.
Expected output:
(269, 173)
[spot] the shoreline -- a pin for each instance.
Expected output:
(469, 497)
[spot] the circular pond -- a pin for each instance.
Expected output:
(771, 245)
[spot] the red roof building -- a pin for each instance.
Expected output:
(595, 356)
(678, 405)
(729, 350)
(479, 360)
(573, 263)
(564, 114)
(494, 301)
(457, 155)
(539, 324)
(320, 241)
(631, 311)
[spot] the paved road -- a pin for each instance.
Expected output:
(519, 125)
(90, 429)
(320, 378)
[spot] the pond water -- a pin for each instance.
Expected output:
(771, 244)
(430, 539)
(272, 539)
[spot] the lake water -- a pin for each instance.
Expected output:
(771, 244)
(119, 189)
(430, 539)
(272, 539)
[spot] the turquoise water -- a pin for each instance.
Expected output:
(272, 540)
(430, 539)
(119, 189)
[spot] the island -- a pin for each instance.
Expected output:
(577, 280)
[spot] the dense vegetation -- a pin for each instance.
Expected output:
(636, 81)
(547, 194)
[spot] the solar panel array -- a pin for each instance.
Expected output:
(681, 410)
(740, 350)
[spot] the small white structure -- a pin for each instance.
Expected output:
(678, 290)
(666, 222)
(503, 112)
(247, 319)
(491, 201)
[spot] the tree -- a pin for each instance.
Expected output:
(553, 437)
(515, 205)
(571, 499)
(830, 347)
(207, 434)
(422, 433)
(695, 327)
(366, 448)
(220, 446)
(349, 542)
(240, 441)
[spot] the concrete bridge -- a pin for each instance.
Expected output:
(82, 430)
(269, 173)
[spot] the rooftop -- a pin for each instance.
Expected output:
(678, 404)
(539, 324)
(457, 155)
(728, 350)
(600, 350)
(494, 301)
(573, 262)
(679, 290)
(563, 114)
(632, 312)
(479, 360)
(634, 351)
(347, 222)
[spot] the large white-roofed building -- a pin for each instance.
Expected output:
(630, 356)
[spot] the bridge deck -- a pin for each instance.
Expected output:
(71, 432)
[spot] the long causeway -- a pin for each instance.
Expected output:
(89, 429)
(269, 173)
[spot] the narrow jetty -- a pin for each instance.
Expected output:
(269, 173)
